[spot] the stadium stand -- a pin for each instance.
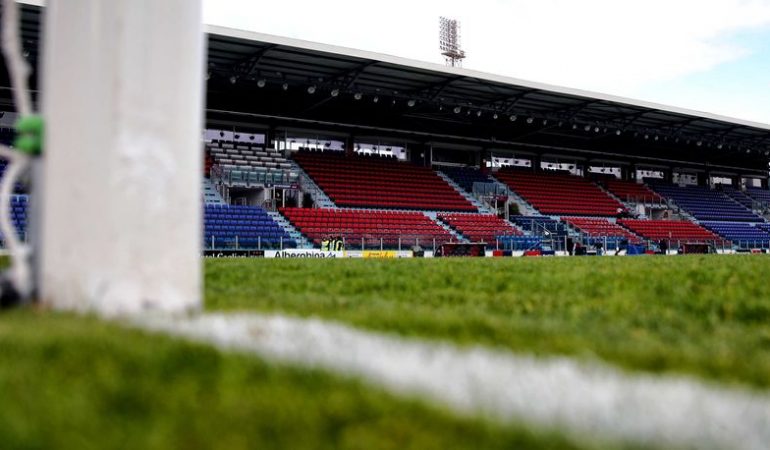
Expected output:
(245, 156)
(739, 196)
(631, 191)
(704, 203)
(742, 234)
(480, 227)
(560, 193)
(374, 182)
(600, 228)
(228, 226)
(405, 228)
(466, 176)
(670, 230)
(760, 195)
(540, 225)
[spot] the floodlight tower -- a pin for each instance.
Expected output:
(449, 41)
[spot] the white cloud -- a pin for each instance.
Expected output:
(613, 46)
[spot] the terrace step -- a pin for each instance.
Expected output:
(434, 217)
(308, 185)
(299, 238)
(210, 194)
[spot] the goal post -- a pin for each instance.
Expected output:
(120, 185)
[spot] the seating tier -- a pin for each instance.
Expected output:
(480, 227)
(370, 226)
(244, 156)
(560, 193)
(249, 226)
(761, 195)
(631, 191)
(742, 234)
(669, 230)
(370, 182)
(707, 204)
(601, 228)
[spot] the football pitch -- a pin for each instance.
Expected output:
(69, 381)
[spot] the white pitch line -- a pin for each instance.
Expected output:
(583, 400)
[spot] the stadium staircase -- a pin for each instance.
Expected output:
(456, 235)
(525, 208)
(210, 194)
(299, 238)
(309, 186)
(468, 196)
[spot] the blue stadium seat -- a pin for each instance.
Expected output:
(248, 227)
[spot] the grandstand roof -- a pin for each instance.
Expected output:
(248, 70)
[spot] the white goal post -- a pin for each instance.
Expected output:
(120, 191)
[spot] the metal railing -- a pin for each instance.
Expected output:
(253, 177)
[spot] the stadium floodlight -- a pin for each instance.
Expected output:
(357, 96)
(261, 83)
(449, 41)
(121, 202)
(335, 92)
(311, 89)
(410, 103)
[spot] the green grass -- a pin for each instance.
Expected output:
(701, 315)
(69, 382)
(73, 382)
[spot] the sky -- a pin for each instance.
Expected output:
(705, 55)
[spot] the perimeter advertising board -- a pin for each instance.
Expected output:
(303, 253)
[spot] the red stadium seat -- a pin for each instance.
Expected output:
(360, 181)
(559, 194)
(390, 227)
(480, 227)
